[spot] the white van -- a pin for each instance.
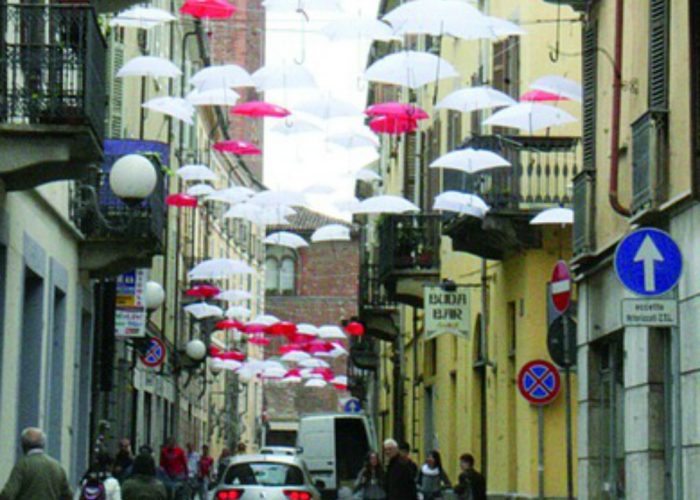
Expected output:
(335, 447)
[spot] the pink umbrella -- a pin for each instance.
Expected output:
(181, 200)
(397, 110)
(259, 109)
(317, 346)
(203, 291)
(393, 126)
(282, 328)
(541, 96)
(237, 147)
(209, 9)
(287, 348)
(259, 339)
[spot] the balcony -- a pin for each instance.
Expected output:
(409, 255)
(52, 92)
(377, 311)
(118, 236)
(540, 176)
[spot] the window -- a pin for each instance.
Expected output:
(265, 474)
(286, 279)
(271, 275)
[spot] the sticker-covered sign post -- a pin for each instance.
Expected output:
(130, 315)
(446, 311)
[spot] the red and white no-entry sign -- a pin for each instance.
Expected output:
(560, 287)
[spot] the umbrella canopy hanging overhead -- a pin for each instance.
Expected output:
(142, 17)
(238, 312)
(315, 383)
(234, 194)
(201, 310)
(181, 200)
(367, 175)
(152, 66)
(223, 76)
(397, 110)
(234, 295)
(200, 190)
(259, 109)
(176, 107)
(462, 203)
(331, 332)
(530, 117)
(385, 204)
(286, 239)
(277, 198)
(259, 215)
(196, 173)
(474, 99)
(352, 140)
(347, 204)
(237, 147)
(327, 108)
(213, 97)
(213, 269)
(440, 17)
(359, 29)
(307, 329)
(296, 126)
(295, 356)
(410, 69)
(393, 126)
(470, 160)
(303, 5)
(541, 96)
(558, 85)
(331, 232)
(208, 9)
(283, 76)
(558, 215)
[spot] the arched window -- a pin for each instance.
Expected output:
(271, 275)
(287, 276)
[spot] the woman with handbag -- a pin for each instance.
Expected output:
(370, 482)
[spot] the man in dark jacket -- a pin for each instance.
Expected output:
(400, 479)
(472, 484)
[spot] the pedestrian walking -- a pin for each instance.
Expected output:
(192, 467)
(400, 477)
(370, 482)
(123, 460)
(223, 462)
(142, 484)
(405, 452)
(432, 477)
(174, 462)
(36, 475)
(98, 483)
(472, 484)
(205, 468)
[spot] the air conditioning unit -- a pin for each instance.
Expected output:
(649, 162)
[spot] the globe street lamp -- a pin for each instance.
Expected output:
(133, 178)
(153, 295)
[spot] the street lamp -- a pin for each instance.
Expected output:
(153, 295)
(196, 350)
(133, 178)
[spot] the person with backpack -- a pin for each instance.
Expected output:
(98, 483)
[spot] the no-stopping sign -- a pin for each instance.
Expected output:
(155, 354)
(539, 382)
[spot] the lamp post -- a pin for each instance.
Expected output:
(133, 178)
(153, 296)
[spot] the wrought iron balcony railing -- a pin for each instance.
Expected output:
(372, 293)
(541, 172)
(409, 242)
(52, 66)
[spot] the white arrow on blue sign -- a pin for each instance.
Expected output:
(353, 405)
(648, 262)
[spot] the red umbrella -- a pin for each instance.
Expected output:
(355, 328)
(203, 291)
(253, 328)
(282, 328)
(181, 200)
(393, 126)
(294, 372)
(209, 9)
(300, 338)
(237, 147)
(397, 110)
(326, 373)
(284, 349)
(259, 340)
(259, 109)
(316, 346)
(229, 324)
(541, 96)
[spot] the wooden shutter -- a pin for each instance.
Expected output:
(590, 77)
(658, 54)
(115, 125)
(409, 172)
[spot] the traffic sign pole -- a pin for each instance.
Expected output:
(567, 398)
(540, 452)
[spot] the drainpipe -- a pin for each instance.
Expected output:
(613, 194)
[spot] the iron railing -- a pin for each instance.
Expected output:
(409, 242)
(117, 221)
(541, 172)
(372, 293)
(52, 66)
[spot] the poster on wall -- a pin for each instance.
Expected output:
(446, 312)
(130, 315)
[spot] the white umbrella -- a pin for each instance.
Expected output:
(316, 383)
(475, 98)
(265, 319)
(276, 198)
(502, 27)
(410, 69)
(291, 380)
(213, 269)
(234, 295)
(331, 232)
(142, 17)
(259, 215)
(314, 363)
(295, 126)
(286, 239)
(440, 17)
(352, 140)
(358, 29)
(149, 66)
(224, 76)
(347, 205)
(331, 332)
(387, 204)
(530, 117)
(307, 329)
(200, 190)
(463, 203)
(557, 215)
(295, 356)
(283, 76)
(273, 373)
(213, 97)
(201, 310)
(196, 173)
(367, 175)
(338, 351)
(303, 5)
(340, 380)
(470, 160)
(225, 364)
(327, 108)
(238, 312)
(235, 194)
(560, 86)
(172, 106)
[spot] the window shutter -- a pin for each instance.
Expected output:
(409, 172)
(115, 124)
(658, 54)
(590, 76)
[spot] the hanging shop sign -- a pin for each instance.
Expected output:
(446, 312)
(130, 315)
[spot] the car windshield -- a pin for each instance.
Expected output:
(264, 474)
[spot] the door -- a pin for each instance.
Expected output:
(316, 437)
(352, 447)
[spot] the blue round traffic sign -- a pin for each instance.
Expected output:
(155, 354)
(539, 382)
(353, 405)
(648, 262)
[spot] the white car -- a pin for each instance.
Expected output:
(289, 451)
(268, 477)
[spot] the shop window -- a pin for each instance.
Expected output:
(271, 275)
(286, 279)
